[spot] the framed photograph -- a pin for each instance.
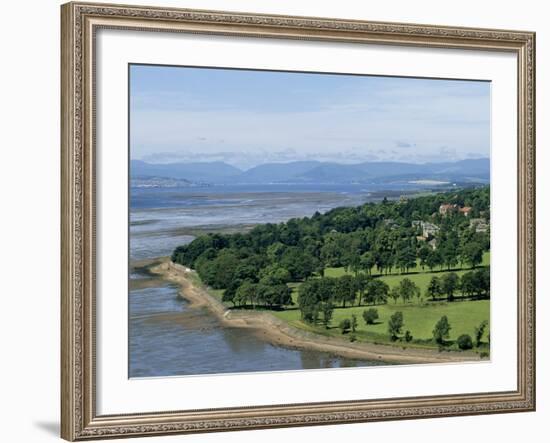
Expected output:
(277, 221)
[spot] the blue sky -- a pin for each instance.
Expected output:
(251, 117)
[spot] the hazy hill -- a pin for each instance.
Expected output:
(475, 170)
(333, 172)
(395, 171)
(209, 172)
(277, 172)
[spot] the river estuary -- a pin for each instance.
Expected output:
(166, 336)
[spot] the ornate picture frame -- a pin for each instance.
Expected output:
(80, 22)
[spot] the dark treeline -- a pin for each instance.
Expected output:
(254, 267)
(472, 284)
(318, 297)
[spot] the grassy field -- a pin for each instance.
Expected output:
(420, 316)
(419, 319)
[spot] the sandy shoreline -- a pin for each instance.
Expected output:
(280, 333)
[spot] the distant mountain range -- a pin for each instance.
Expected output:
(469, 171)
(211, 172)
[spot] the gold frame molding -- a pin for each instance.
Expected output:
(79, 22)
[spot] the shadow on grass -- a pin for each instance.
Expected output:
(374, 323)
(428, 271)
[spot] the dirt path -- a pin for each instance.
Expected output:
(281, 333)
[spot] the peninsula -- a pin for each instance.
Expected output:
(404, 281)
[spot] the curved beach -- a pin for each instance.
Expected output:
(280, 333)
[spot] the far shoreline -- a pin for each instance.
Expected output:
(281, 333)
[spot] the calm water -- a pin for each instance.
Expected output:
(167, 337)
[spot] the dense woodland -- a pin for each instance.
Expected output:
(370, 240)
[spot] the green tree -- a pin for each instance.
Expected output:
(327, 309)
(345, 289)
(406, 258)
(275, 251)
(395, 293)
(309, 296)
(441, 330)
(353, 322)
(376, 292)
(277, 295)
(482, 279)
(449, 246)
(472, 253)
(367, 262)
(188, 254)
(345, 325)
(263, 294)
(468, 284)
(229, 295)
(335, 246)
(408, 289)
(361, 281)
(434, 259)
(464, 342)
(370, 316)
(274, 275)
(299, 264)
(218, 272)
(395, 325)
(434, 288)
(354, 262)
(479, 331)
(449, 284)
(246, 293)
(326, 288)
(245, 270)
(423, 254)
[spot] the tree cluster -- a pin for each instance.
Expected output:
(472, 284)
(318, 297)
(253, 267)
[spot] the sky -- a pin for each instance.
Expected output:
(246, 118)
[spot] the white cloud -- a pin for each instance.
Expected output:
(391, 121)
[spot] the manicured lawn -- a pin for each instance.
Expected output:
(419, 319)
(421, 280)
